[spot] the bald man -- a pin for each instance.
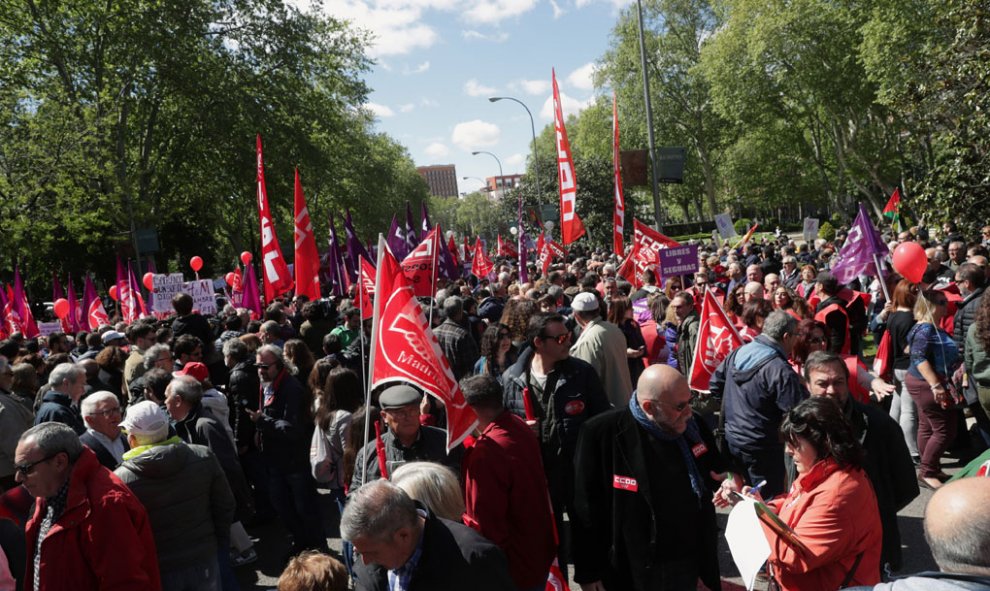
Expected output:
(957, 527)
(654, 465)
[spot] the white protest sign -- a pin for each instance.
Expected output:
(201, 291)
(810, 229)
(47, 328)
(165, 287)
(723, 222)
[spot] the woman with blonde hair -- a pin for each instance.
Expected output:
(433, 485)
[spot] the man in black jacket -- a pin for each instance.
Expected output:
(556, 394)
(645, 475)
(285, 428)
(404, 546)
(888, 462)
(67, 384)
(972, 283)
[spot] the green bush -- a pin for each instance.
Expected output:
(742, 225)
(826, 231)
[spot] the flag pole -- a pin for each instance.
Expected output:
(433, 276)
(375, 319)
(883, 282)
(364, 369)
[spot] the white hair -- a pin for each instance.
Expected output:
(88, 405)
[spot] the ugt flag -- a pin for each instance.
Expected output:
(717, 337)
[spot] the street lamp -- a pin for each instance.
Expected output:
(649, 116)
(532, 127)
(500, 174)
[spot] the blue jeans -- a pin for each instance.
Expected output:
(198, 577)
(294, 496)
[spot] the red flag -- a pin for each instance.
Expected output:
(452, 247)
(749, 234)
(647, 244)
(275, 272)
(556, 581)
(380, 451)
(23, 309)
(539, 243)
(717, 337)
(96, 314)
(619, 215)
(505, 249)
(420, 267)
(11, 319)
(406, 349)
(366, 289)
(307, 261)
(550, 251)
(481, 265)
(893, 204)
(571, 227)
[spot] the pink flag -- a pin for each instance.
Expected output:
(275, 272)
(96, 314)
(307, 262)
(717, 337)
(571, 227)
(23, 308)
(619, 215)
(250, 298)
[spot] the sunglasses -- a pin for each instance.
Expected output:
(559, 339)
(262, 365)
(26, 469)
(679, 407)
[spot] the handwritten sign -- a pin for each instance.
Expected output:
(810, 229)
(165, 287)
(679, 260)
(47, 328)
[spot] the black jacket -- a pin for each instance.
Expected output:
(102, 454)
(637, 517)
(242, 391)
(58, 408)
(965, 316)
(285, 427)
(454, 558)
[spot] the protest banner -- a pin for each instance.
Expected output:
(679, 260)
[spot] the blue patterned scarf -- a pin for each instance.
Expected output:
(684, 441)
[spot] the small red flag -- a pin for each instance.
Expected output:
(717, 337)
(481, 265)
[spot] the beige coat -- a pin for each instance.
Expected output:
(603, 345)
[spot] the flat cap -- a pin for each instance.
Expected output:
(399, 396)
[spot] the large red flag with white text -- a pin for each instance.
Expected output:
(619, 213)
(274, 270)
(481, 265)
(307, 261)
(421, 267)
(407, 351)
(571, 227)
(717, 337)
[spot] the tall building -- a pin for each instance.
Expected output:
(441, 178)
(497, 185)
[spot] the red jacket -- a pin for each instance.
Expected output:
(834, 513)
(102, 541)
(506, 498)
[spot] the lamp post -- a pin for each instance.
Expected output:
(532, 127)
(500, 174)
(649, 116)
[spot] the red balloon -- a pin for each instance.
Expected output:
(149, 280)
(230, 278)
(910, 261)
(61, 307)
(246, 257)
(196, 263)
(113, 292)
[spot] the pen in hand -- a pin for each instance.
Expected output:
(756, 489)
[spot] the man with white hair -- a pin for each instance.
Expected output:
(186, 495)
(101, 412)
(67, 384)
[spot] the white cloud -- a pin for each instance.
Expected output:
(568, 104)
(557, 10)
(418, 69)
(500, 37)
(428, 102)
(581, 78)
(516, 160)
(474, 88)
(471, 135)
(494, 11)
(532, 86)
(406, 108)
(380, 111)
(396, 26)
(436, 150)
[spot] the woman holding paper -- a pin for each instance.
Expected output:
(825, 533)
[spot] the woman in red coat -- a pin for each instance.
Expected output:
(831, 506)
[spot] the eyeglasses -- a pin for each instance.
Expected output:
(26, 469)
(108, 412)
(559, 339)
(263, 365)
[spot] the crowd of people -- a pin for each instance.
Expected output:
(142, 456)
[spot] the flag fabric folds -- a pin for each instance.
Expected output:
(355, 250)
(424, 217)
(717, 337)
(481, 265)
(571, 227)
(307, 261)
(421, 266)
(28, 327)
(619, 213)
(411, 235)
(406, 350)
(856, 255)
(274, 270)
(96, 314)
(74, 320)
(396, 240)
(892, 210)
(251, 299)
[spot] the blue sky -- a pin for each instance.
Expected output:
(438, 61)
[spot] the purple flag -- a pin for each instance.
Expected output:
(355, 249)
(57, 292)
(331, 266)
(136, 298)
(396, 240)
(250, 298)
(425, 217)
(73, 308)
(856, 256)
(448, 268)
(411, 241)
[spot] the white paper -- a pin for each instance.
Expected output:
(747, 542)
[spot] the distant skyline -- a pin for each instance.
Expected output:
(438, 62)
